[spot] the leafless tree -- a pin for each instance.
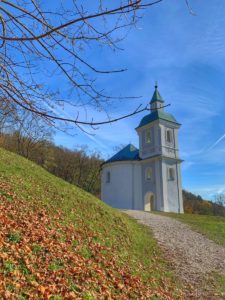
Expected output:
(26, 135)
(8, 116)
(42, 40)
(220, 199)
(30, 133)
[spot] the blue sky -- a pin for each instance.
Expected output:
(186, 55)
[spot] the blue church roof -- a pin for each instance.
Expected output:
(155, 115)
(130, 152)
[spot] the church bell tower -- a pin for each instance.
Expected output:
(159, 155)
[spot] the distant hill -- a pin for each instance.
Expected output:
(59, 242)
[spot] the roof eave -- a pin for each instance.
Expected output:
(159, 119)
(157, 100)
(120, 160)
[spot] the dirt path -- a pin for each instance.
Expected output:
(192, 256)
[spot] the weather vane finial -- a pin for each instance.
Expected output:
(156, 84)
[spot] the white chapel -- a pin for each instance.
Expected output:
(148, 178)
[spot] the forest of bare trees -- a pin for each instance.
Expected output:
(32, 139)
(197, 205)
(79, 166)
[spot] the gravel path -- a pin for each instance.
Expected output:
(192, 255)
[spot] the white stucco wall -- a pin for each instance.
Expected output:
(180, 188)
(137, 185)
(154, 147)
(159, 185)
(173, 201)
(127, 187)
(124, 189)
(169, 149)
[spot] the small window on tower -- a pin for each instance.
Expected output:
(169, 136)
(108, 177)
(171, 173)
(148, 136)
(148, 174)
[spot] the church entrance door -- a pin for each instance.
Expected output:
(149, 202)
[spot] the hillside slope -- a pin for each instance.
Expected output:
(59, 242)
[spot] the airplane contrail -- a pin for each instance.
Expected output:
(217, 142)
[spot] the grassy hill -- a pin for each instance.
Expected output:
(59, 242)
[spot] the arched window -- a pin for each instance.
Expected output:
(108, 177)
(148, 174)
(169, 137)
(147, 136)
(171, 173)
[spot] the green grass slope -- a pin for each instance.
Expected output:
(59, 242)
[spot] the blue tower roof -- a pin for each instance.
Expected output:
(155, 115)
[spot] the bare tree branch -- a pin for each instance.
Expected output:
(122, 9)
(39, 47)
(189, 8)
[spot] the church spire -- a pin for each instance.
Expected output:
(156, 96)
(157, 100)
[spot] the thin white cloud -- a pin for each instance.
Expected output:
(216, 143)
(210, 191)
(64, 114)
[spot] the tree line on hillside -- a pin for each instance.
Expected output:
(196, 205)
(32, 139)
